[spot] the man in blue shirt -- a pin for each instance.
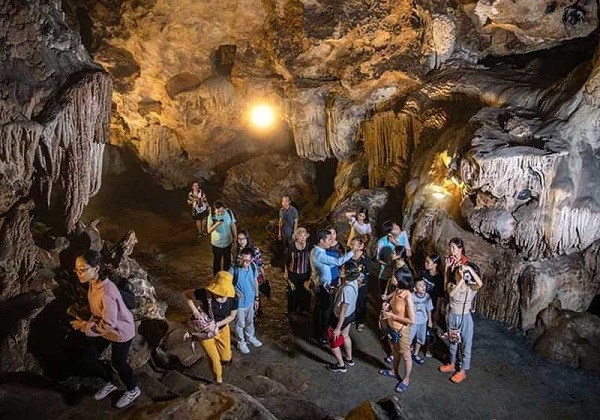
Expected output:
(321, 265)
(223, 231)
(393, 236)
(288, 222)
(245, 280)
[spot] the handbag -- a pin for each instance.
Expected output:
(204, 327)
(454, 334)
(334, 343)
(393, 335)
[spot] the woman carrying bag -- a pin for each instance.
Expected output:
(111, 323)
(462, 282)
(219, 300)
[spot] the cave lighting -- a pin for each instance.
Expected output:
(262, 116)
(438, 192)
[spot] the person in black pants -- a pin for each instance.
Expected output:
(296, 272)
(223, 232)
(364, 264)
(111, 323)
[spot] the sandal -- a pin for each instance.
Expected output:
(388, 372)
(401, 387)
(360, 327)
(389, 359)
(418, 360)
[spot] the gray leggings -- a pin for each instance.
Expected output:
(466, 332)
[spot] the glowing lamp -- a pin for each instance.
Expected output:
(438, 195)
(438, 192)
(262, 116)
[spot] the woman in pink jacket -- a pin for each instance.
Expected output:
(111, 323)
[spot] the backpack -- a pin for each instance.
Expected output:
(236, 269)
(127, 295)
(203, 327)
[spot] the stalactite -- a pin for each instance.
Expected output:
(309, 125)
(74, 125)
(160, 145)
(388, 138)
(18, 144)
(217, 93)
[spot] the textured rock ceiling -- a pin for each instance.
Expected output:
(325, 64)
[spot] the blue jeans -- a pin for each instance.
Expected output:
(466, 332)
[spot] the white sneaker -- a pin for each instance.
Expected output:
(103, 393)
(255, 341)
(128, 397)
(243, 347)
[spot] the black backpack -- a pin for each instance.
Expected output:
(128, 296)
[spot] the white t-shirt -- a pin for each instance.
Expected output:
(347, 294)
(356, 229)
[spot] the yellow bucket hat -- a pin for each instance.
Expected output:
(222, 285)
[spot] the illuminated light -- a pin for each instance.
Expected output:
(262, 116)
(446, 158)
(439, 195)
(438, 192)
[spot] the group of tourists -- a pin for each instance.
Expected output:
(413, 305)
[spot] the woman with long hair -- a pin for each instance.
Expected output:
(335, 250)
(434, 282)
(111, 323)
(364, 264)
(360, 227)
(462, 280)
(199, 204)
(399, 315)
(243, 240)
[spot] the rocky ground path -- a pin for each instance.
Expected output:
(507, 380)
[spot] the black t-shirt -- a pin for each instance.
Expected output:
(220, 310)
(364, 263)
(435, 285)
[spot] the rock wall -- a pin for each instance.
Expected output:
(55, 106)
(518, 177)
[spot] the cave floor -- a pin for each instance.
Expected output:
(507, 379)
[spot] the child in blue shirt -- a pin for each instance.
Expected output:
(423, 308)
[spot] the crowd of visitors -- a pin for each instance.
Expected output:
(414, 308)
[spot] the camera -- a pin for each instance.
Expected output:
(468, 277)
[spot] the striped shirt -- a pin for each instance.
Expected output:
(298, 260)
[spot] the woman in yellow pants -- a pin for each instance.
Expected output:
(220, 295)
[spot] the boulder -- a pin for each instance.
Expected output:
(294, 408)
(384, 409)
(211, 402)
(175, 345)
(128, 269)
(260, 182)
(568, 337)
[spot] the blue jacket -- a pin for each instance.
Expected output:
(322, 263)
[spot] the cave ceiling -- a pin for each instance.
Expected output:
(180, 92)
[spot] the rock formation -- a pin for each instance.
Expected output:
(425, 99)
